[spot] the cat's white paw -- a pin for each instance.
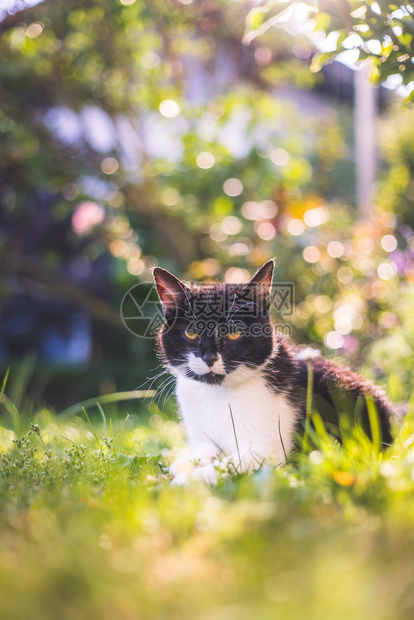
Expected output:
(183, 465)
(181, 480)
(194, 467)
(208, 473)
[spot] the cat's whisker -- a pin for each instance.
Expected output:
(165, 372)
(160, 395)
(157, 375)
(160, 388)
(169, 393)
(165, 387)
(148, 379)
(248, 370)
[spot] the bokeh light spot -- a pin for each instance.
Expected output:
(266, 231)
(387, 320)
(34, 30)
(231, 225)
(343, 324)
(211, 266)
(217, 233)
(333, 340)
(87, 215)
(109, 165)
(205, 160)
(316, 217)
(135, 266)
(263, 55)
(279, 157)
(322, 304)
(311, 254)
(100, 89)
(169, 108)
(70, 191)
(239, 249)
(233, 187)
(170, 196)
(366, 245)
(388, 219)
(386, 271)
(234, 275)
(250, 210)
(345, 275)
(295, 227)
(150, 60)
(379, 289)
(118, 248)
(335, 249)
(389, 243)
(267, 209)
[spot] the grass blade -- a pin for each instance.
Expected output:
(92, 428)
(101, 411)
(103, 400)
(14, 414)
(309, 391)
(376, 433)
(22, 376)
(281, 441)
(61, 436)
(235, 434)
(3, 387)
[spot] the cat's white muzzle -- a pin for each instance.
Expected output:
(199, 367)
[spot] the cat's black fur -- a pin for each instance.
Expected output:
(207, 308)
(336, 390)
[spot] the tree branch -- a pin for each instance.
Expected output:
(56, 287)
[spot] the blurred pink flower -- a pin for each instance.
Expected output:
(351, 344)
(87, 215)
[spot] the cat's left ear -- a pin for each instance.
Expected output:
(171, 291)
(261, 283)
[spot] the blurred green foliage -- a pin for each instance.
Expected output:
(396, 187)
(142, 133)
(391, 357)
(382, 32)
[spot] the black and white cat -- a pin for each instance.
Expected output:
(241, 387)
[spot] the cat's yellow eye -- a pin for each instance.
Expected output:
(233, 335)
(191, 335)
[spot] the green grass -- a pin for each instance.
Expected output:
(92, 528)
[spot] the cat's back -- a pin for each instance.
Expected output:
(336, 390)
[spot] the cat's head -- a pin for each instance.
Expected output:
(215, 332)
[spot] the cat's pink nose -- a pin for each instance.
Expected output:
(210, 357)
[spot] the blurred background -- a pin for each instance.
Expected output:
(186, 134)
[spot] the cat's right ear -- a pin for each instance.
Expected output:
(171, 291)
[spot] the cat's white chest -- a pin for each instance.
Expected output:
(245, 421)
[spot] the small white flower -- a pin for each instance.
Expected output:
(387, 470)
(308, 354)
(316, 457)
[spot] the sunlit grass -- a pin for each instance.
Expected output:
(92, 528)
